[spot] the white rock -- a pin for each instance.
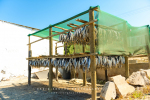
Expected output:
(108, 92)
(147, 81)
(136, 79)
(147, 72)
(122, 87)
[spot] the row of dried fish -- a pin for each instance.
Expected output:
(80, 36)
(82, 62)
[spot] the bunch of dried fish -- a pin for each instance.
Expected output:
(39, 62)
(80, 36)
(82, 62)
(110, 61)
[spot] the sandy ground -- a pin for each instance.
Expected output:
(18, 89)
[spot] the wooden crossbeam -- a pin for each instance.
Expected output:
(62, 28)
(74, 24)
(56, 31)
(82, 21)
(70, 26)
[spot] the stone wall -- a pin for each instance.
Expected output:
(116, 71)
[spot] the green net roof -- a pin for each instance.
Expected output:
(115, 35)
(63, 24)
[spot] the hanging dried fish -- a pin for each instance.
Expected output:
(88, 63)
(30, 62)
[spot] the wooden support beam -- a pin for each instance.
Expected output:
(148, 60)
(62, 28)
(82, 21)
(56, 66)
(70, 26)
(65, 48)
(74, 24)
(106, 76)
(50, 65)
(56, 31)
(92, 50)
(64, 32)
(84, 78)
(84, 73)
(29, 67)
(126, 67)
(74, 48)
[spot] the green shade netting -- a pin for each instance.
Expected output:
(45, 32)
(115, 35)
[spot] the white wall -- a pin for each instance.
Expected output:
(14, 48)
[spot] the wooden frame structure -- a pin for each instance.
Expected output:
(92, 52)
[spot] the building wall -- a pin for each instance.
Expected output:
(14, 48)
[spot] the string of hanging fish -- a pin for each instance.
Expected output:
(80, 63)
(81, 35)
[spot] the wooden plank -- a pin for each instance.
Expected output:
(50, 65)
(74, 24)
(65, 31)
(82, 21)
(56, 31)
(61, 56)
(126, 67)
(29, 67)
(92, 50)
(70, 26)
(62, 28)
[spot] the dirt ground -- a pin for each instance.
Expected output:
(18, 89)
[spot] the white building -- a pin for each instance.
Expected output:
(14, 48)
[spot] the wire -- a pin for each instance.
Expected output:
(139, 10)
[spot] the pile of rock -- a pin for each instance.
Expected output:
(118, 86)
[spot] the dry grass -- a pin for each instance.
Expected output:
(137, 94)
(146, 90)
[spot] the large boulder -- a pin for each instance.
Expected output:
(136, 79)
(122, 87)
(147, 71)
(108, 92)
(147, 81)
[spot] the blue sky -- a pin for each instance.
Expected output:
(41, 13)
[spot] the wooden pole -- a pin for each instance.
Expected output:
(106, 77)
(29, 67)
(84, 73)
(92, 50)
(148, 60)
(50, 65)
(126, 67)
(65, 48)
(56, 66)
